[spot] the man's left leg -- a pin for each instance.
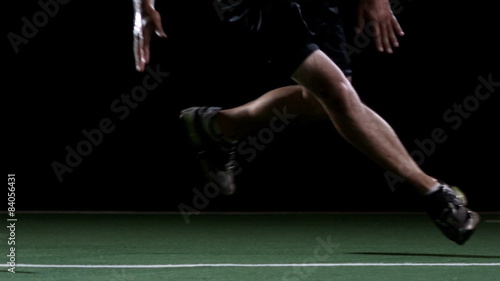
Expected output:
(215, 131)
(239, 121)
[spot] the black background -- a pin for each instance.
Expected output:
(65, 78)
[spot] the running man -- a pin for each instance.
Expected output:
(323, 91)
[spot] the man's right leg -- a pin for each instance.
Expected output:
(368, 132)
(357, 123)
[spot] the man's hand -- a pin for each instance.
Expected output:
(385, 25)
(146, 20)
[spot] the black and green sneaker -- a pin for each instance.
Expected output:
(446, 208)
(215, 153)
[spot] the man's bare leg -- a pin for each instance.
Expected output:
(239, 121)
(333, 93)
(357, 123)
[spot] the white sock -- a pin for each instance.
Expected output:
(433, 189)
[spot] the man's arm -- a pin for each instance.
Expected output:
(146, 20)
(384, 23)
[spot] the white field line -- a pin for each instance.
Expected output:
(408, 264)
(206, 213)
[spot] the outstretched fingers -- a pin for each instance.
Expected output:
(145, 23)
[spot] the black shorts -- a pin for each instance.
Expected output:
(323, 19)
(286, 32)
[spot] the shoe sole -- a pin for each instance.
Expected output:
(188, 117)
(466, 232)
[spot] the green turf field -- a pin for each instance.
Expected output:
(143, 247)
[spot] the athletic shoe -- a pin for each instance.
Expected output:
(215, 153)
(446, 207)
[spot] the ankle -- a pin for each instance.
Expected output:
(425, 185)
(437, 186)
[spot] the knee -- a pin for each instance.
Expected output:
(338, 96)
